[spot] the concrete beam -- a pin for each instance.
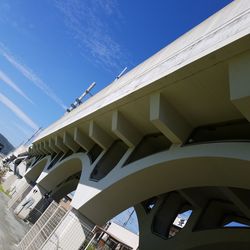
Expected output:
(125, 130)
(41, 148)
(31, 151)
(38, 147)
(46, 148)
(83, 140)
(70, 143)
(35, 149)
(167, 120)
(238, 202)
(98, 135)
(39, 152)
(239, 79)
(193, 197)
(53, 146)
(59, 144)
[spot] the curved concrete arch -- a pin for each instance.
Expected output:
(64, 169)
(20, 169)
(217, 239)
(64, 190)
(215, 164)
(31, 161)
(191, 236)
(35, 171)
(230, 239)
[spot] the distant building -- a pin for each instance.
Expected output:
(118, 237)
(5, 145)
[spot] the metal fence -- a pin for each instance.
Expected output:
(43, 228)
(58, 228)
(72, 233)
(38, 210)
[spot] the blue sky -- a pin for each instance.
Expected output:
(51, 50)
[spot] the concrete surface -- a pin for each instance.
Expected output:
(11, 230)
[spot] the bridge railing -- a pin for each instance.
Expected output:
(44, 227)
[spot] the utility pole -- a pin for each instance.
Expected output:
(36, 132)
(129, 217)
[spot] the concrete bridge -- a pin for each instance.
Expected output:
(172, 135)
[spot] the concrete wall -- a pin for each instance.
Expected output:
(21, 168)
(9, 180)
(29, 202)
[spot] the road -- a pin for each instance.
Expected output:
(11, 229)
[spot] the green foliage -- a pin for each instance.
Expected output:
(3, 191)
(91, 247)
(2, 173)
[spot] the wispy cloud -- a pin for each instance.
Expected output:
(5, 10)
(14, 86)
(30, 75)
(22, 129)
(13, 107)
(89, 23)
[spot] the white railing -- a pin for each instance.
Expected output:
(58, 228)
(72, 233)
(41, 231)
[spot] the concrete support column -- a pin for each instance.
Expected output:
(59, 144)
(29, 202)
(70, 143)
(148, 240)
(168, 120)
(239, 79)
(83, 140)
(46, 147)
(41, 148)
(98, 135)
(36, 149)
(53, 146)
(204, 228)
(125, 130)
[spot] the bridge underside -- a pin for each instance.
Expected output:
(209, 180)
(213, 210)
(173, 135)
